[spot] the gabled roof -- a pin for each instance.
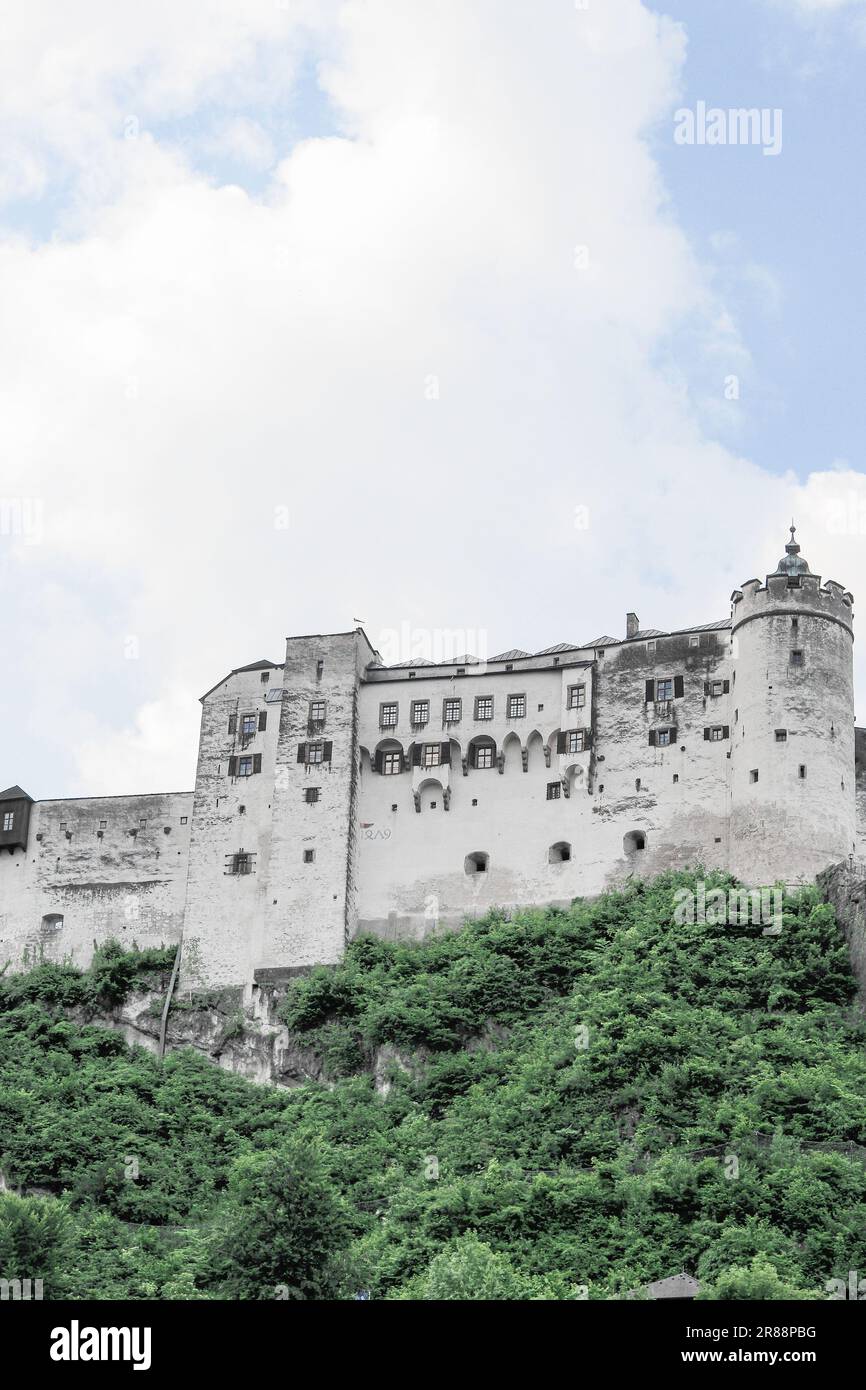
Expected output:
(513, 655)
(262, 665)
(704, 627)
(467, 659)
(647, 632)
(603, 642)
(404, 665)
(559, 647)
(15, 794)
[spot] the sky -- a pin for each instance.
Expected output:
(432, 317)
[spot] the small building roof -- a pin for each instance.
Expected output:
(514, 654)
(15, 794)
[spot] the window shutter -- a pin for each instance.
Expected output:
(652, 738)
(233, 767)
(473, 748)
(650, 692)
(726, 687)
(706, 687)
(326, 751)
(560, 743)
(416, 755)
(587, 738)
(707, 735)
(678, 687)
(233, 723)
(263, 720)
(445, 754)
(726, 731)
(257, 762)
(377, 761)
(302, 752)
(673, 734)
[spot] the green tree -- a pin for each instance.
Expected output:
(284, 1228)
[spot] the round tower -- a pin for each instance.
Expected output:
(792, 731)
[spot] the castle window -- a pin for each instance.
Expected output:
(483, 755)
(483, 706)
(795, 623)
(8, 820)
(248, 725)
(802, 771)
(52, 921)
(716, 733)
(633, 841)
(461, 670)
(576, 697)
(554, 791)
(388, 716)
(637, 784)
(516, 706)
(311, 795)
(265, 677)
(240, 863)
(796, 658)
(451, 711)
(676, 776)
(432, 755)
(318, 709)
(315, 752)
(63, 825)
(392, 762)
(781, 735)
(560, 853)
(309, 856)
(103, 824)
(664, 690)
(600, 651)
(509, 665)
(662, 738)
(420, 713)
(694, 641)
(717, 688)
(476, 863)
(245, 767)
(320, 666)
(412, 675)
(574, 741)
(753, 775)
(143, 824)
(475, 801)
(183, 820)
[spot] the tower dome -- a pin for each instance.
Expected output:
(792, 562)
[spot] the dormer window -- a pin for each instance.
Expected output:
(8, 820)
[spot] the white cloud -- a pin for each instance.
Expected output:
(195, 360)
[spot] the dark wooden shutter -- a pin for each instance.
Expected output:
(560, 743)
(652, 738)
(302, 752)
(445, 754)
(473, 749)
(416, 754)
(327, 749)
(707, 735)
(726, 731)
(650, 691)
(726, 687)
(377, 760)
(233, 767)
(587, 738)
(263, 720)
(706, 687)
(233, 723)
(678, 687)
(257, 762)
(673, 735)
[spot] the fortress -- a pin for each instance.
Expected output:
(336, 796)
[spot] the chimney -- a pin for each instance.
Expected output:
(631, 624)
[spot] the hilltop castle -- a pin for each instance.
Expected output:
(335, 795)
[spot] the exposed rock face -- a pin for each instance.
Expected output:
(844, 885)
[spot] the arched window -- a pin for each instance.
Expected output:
(476, 863)
(560, 853)
(52, 921)
(482, 752)
(633, 841)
